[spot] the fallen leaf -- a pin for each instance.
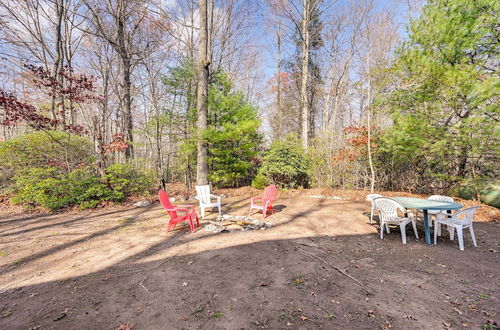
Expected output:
(447, 325)
(303, 318)
(289, 324)
(386, 325)
(409, 317)
(457, 310)
(124, 326)
(62, 315)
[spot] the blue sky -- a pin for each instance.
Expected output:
(264, 39)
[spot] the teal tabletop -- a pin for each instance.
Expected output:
(425, 204)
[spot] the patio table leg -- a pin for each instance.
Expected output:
(427, 228)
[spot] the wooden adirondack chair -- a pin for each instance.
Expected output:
(205, 198)
(189, 212)
(264, 203)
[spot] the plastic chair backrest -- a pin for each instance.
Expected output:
(465, 216)
(371, 197)
(440, 198)
(203, 193)
(388, 208)
(270, 193)
(165, 202)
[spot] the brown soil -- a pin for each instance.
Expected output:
(117, 266)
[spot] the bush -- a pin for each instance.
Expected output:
(286, 165)
(54, 149)
(260, 181)
(124, 180)
(42, 187)
(50, 188)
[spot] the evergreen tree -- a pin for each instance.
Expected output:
(445, 105)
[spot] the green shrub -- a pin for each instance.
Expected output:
(53, 189)
(124, 180)
(260, 181)
(286, 165)
(55, 149)
(42, 187)
(489, 193)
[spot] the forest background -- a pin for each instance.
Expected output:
(101, 100)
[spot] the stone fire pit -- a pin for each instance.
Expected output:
(229, 223)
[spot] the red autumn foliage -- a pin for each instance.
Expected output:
(357, 140)
(74, 88)
(16, 111)
(118, 144)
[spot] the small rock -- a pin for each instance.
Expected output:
(316, 196)
(233, 227)
(185, 284)
(268, 224)
(142, 204)
(214, 228)
(172, 199)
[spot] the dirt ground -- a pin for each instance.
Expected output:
(321, 266)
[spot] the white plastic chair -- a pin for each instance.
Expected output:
(459, 221)
(371, 197)
(205, 198)
(388, 213)
(436, 212)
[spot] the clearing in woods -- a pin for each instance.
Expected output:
(321, 265)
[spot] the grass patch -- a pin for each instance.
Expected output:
(298, 280)
(197, 310)
(217, 315)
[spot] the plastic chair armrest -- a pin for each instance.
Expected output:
(181, 209)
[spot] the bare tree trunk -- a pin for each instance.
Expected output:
(98, 143)
(127, 111)
(369, 129)
(278, 92)
(58, 59)
(304, 134)
(201, 106)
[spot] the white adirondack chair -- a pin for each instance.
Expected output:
(436, 212)
(459, 221)
(205, 198)
(388, 212)
(371, 197)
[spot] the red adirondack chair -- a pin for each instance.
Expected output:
(264, 203)
(189, 211)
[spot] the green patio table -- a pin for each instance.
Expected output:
(425, 205)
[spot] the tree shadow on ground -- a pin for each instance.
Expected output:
(87, 216)
(285, 283)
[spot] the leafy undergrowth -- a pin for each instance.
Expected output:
(178, 190)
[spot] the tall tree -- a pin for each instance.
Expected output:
(120, 23)
(445, 102)
(201, 105)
